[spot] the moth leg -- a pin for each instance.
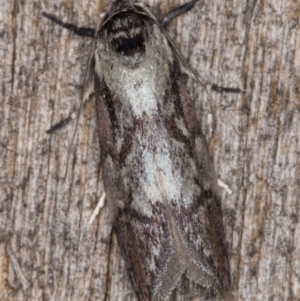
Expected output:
(182, 9)
(177, 11)
(98, 208)
(213, 87)
(61, 124)
(225, 186)
(81, 31)
(221, 89)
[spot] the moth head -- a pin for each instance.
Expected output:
(119, 5)
(125, 35)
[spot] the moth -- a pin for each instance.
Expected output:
(158, 175)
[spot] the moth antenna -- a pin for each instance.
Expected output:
(177, 11)
(88, 89)
(190, 72)
(81, 31)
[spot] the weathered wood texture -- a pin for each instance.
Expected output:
(48, 251)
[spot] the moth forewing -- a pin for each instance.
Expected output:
(156, 166)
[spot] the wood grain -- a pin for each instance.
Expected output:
(48, 251)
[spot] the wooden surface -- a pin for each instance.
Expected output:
(48, 251)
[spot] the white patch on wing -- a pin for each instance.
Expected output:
(159, 176)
